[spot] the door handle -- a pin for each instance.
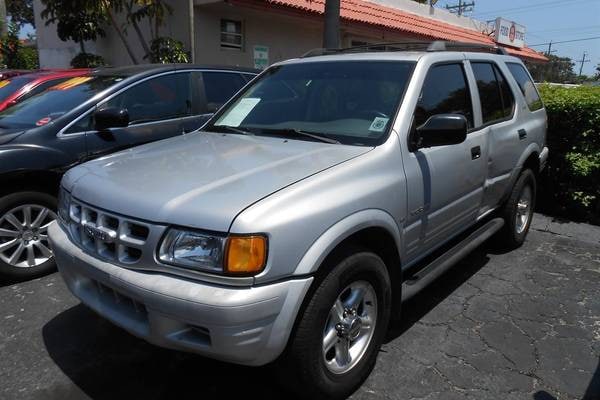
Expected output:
(475, 152)
(522, 134)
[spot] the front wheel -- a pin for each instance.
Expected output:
(518, 211)
(24, 249)
(339, 334)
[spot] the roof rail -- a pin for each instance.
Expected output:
(434, 46)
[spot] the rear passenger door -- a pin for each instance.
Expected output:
(497, 115)
(158, 108)
(445, 184)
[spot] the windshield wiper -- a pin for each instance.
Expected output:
(314, 135)
(228, 129)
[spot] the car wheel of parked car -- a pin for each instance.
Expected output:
(24, 248)
(518, 211)
(341, 329)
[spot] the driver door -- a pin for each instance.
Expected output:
(445, 183)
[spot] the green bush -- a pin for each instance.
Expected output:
(87, 60)
(166, 50)
(570, 186)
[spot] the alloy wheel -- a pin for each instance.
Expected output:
(24, 236)
(524, 209)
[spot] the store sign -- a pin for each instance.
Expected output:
(509, 33)
(261, 57)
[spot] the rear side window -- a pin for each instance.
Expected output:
(160, 98)
(497, 101)
(526, 85)
(445, 91)
(221, 86)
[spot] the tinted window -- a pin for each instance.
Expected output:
(445, 91)
(56, 101)
(353, 102)
(526, 85)
(221, 86)
(9, 86)
(83, 125)
(41, 87)
(496, 97)
(164, 97)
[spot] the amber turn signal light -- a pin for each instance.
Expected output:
(245, 255)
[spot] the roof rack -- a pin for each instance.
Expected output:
(438, 45)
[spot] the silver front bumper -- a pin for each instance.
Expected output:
(244, 325)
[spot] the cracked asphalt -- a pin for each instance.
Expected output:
(517, 325)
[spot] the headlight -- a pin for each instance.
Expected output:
(235, 255)
(64, 201)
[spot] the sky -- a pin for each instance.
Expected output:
(545, 21)
(549, 20)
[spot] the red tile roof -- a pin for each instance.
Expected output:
(387, 17)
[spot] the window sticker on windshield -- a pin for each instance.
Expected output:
(4, 83)
(239, 112)
(71, 83)
(43, 121)
(378, 124)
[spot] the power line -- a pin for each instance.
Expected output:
(531, 7)
(461, 7)
(565, 41)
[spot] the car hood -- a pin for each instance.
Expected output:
(200, 180)
(7, 135)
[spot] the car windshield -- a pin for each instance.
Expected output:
(53, 103)
(9, 86)
(351, 102)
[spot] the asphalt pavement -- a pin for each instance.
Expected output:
(517, 325)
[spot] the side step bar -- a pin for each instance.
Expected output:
(437, 267)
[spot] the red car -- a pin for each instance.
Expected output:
(18, 88)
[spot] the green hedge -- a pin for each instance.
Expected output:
(570, 186)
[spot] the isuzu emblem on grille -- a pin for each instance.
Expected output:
(99, 234)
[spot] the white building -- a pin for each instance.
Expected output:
(259, 32)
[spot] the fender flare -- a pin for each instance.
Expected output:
(341, 230)
(531, 149)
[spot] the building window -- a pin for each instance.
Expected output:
(231, 34)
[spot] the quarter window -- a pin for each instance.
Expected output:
(231, 35)
(526, 85)
(495, 96)
(445, 91)
(164, 97)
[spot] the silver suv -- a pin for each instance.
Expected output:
(292, 226)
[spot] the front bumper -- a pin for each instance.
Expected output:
(243, 325)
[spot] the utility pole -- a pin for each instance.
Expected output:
(550, 51)
(582, 61)
(461, 7)
(331, 31)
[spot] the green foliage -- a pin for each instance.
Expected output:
(572, 181)
(14, 54)
(87, 60)
(20, 11)
(556, 70)
(166, 50)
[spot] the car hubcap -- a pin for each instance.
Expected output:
(349, 327)
(524, 208)
(24, 236)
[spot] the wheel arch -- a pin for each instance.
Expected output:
(45, 181)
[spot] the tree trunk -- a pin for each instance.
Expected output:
(138, 31)
(82, 46)
(115, 25)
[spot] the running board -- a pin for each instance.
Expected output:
(437, 267)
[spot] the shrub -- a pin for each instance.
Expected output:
(87, 60)
(165, 50)
(571, 184)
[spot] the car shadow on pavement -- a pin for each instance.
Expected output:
(105, 362)
(421, 304)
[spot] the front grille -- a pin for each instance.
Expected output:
(106, 235)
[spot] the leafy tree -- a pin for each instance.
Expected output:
(20, 12)
(87, 60)
(557, 70)
(167, 50)
(14, 54)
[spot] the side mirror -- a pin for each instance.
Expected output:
(111, 117)
(213, 107)
(441, 130)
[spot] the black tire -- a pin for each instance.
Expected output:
(304, 370)
(11, 202)
(510, 237)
